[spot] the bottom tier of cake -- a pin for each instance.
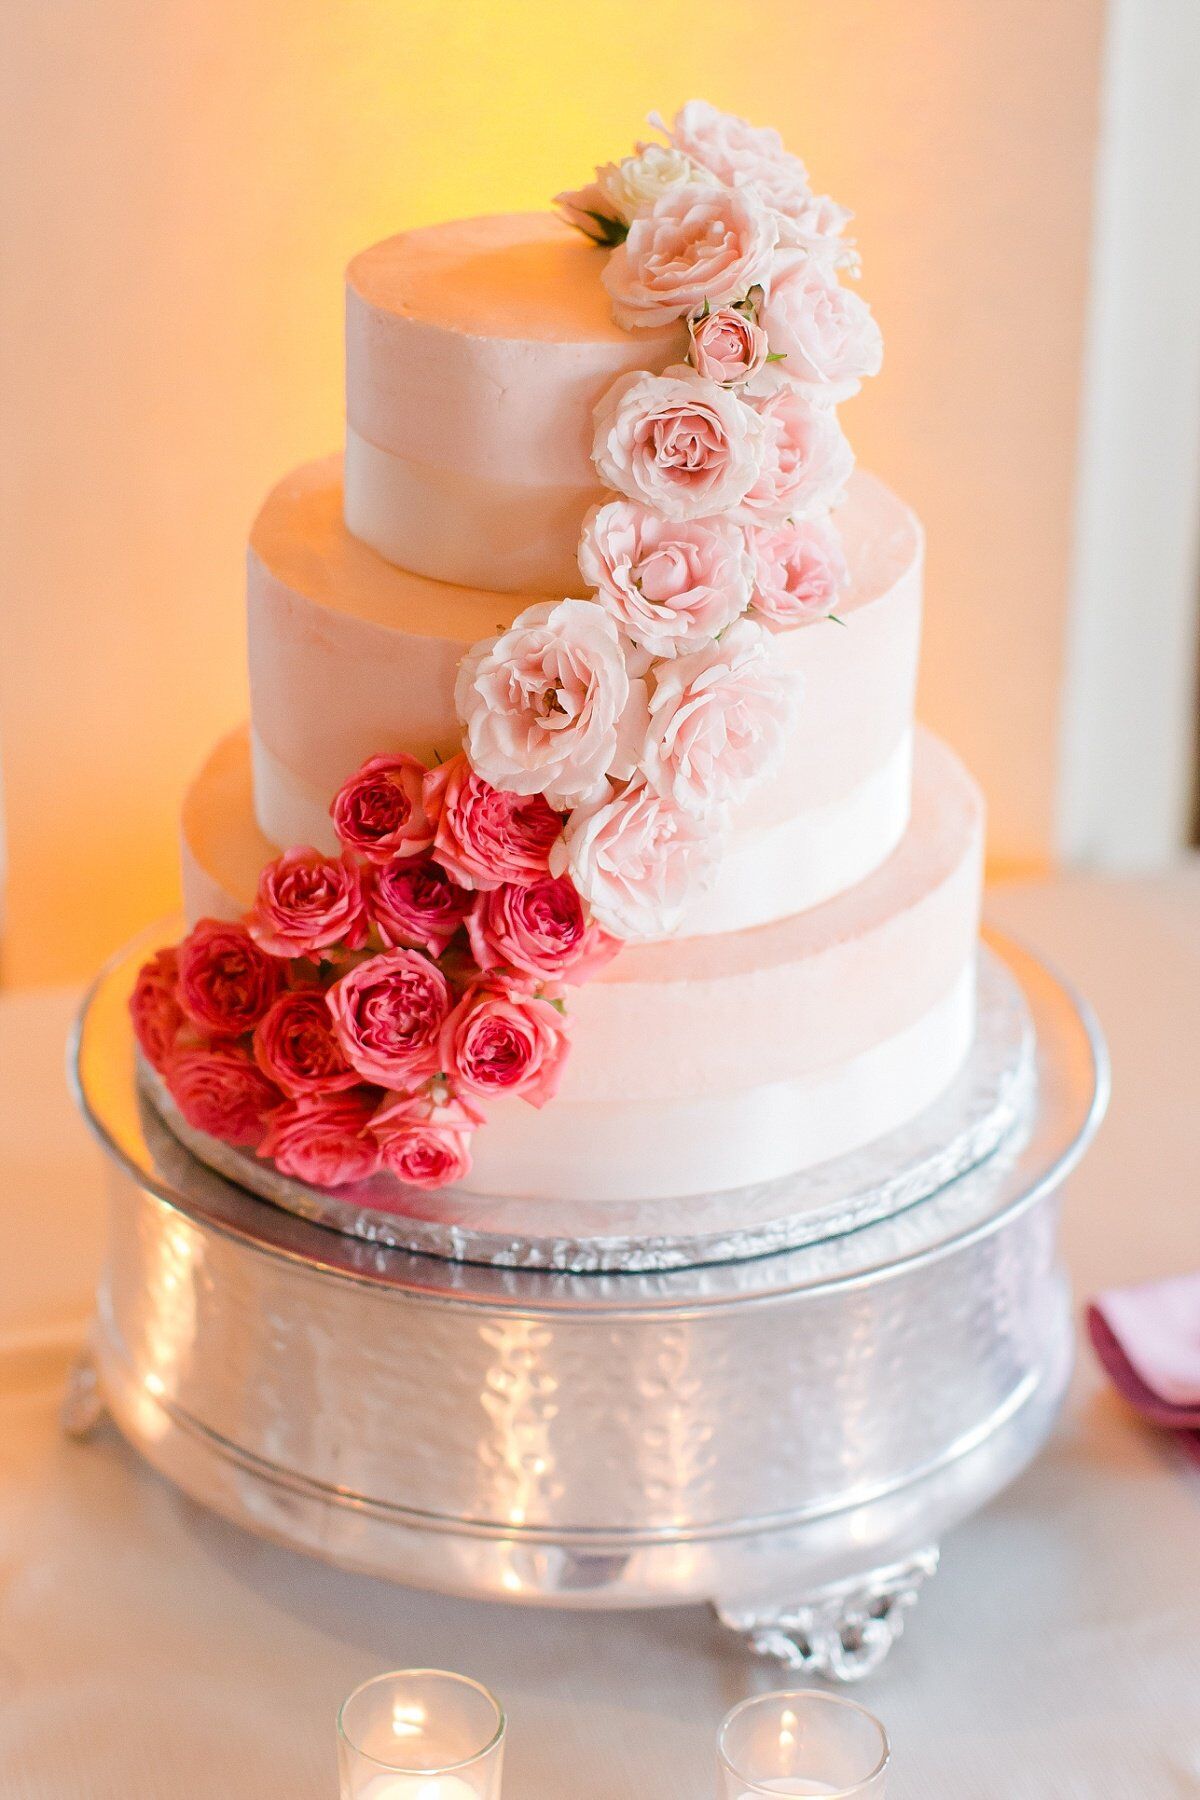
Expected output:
(717, 1062)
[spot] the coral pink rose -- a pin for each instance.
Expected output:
(324, 1139)
(807, 459)
(426, 1139)
(220, 1090)
(698, 244)
(483, 836)
(415, 902)
(154, 1008)
(800, 569)
(638, 860)
(726, 346)
(668, 585)
(541, 931)
(296, 1047)
(548, 706)
(684, 446)
(824, 331)
(226, 983)
(388, 1014)
(499, 1042)
(307, 903)
(718, 721)
(380, 811)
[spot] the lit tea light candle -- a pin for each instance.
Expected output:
(416, 1787)
(420, 1734)
(801, 1743)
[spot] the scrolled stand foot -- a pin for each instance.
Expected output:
(82, 1407)
(841, 1632)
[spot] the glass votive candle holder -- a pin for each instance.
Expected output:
(804, 1742)
(420, 1734)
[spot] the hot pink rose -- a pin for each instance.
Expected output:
(800, 571)
(219, 1089)
(380, 812)
(718, 721)
(307, 903)
(541, 931)
(325, 1139)
(669, 585)
(683, 445)
(727, 347)
(388, 1014)
(548, 706)
(416, 903)
(638, 860)
(226, 983)
(154, 1008)
(806, 462)
(483, 836)
(426, 1139)
(296, 1047)
(824, 331)
(698, 243)
(498, 1041)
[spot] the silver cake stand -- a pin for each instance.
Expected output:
(787, 1436)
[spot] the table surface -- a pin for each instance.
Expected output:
(149, 1650)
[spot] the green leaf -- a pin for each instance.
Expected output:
(833, 618)
(776, 355)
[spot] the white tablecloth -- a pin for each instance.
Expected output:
(149, 1652)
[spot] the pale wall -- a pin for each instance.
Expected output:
(183, 183)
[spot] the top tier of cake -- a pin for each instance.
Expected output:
(475, 352)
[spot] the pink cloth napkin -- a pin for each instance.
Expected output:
(1148, 1340)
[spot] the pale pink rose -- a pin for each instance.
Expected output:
(800, 569)
(669, 585)
(388, 1014)
(500, 1041)
(307, 903)
(719, 721)
(698, 244)
(154, 1008)
(324, 1140)
(417, 903)
(635, 184)
(380, 813)
(748, 158)
(591, 209)
(226, 983)
(824, 331)
(295, 1046)
(686, 447)
(484, 836)
(541, 932)
(219, 1089)
(726, 346)
(807, 459)
(638, 860)
(817, 224)
(425, 1140)
(548, 706)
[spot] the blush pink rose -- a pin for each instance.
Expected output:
(296, 1047)
(548, 707)
(154, 1008)
(324, 1139)
(718, 721)
(426, 1140)
(380, 812)
(226, 983)
(388, 1013)
(686, 447)
(800, 569)
(668, 585)
(219, 1089)
(700, 243)
(416, 903)
(592, 210)
(499, 1041)
(748, 158)
(807, 459)
(726, 346)
(483, 836)
(307, 903)
(541, 931)
(824, 331)
(638, 860)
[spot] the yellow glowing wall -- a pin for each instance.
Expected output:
(183, 180)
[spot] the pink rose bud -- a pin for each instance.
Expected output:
(727, 347)
(296, 1047)
(416, 903)
(325, 1140)
(221, 1091)
(307, 903)
(226, 983)
(380, 813)
(541, 932)
(154, 1008)
(483, 836)
(498, 1041)
(388, 1014)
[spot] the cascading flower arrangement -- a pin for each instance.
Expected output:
(370, 1005)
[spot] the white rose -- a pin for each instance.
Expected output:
(634, 184)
